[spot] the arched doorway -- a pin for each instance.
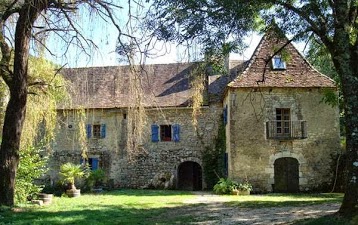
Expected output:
(190, 176)
(286, 175)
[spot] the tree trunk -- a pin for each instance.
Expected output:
(16, 108)
(345, 58)
(350, 89)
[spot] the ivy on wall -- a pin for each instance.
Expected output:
(214, 159)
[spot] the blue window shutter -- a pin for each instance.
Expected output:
(89, 130)
(176, 132)
(155, 133)
(103, 130)
(226, 164)
(225, 115)
(95, 163)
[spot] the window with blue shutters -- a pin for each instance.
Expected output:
(155, 133)
(96, 130)
(165, 133)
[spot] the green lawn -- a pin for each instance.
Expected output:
(140, 207)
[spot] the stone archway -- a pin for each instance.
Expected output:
(190, 176)
(286, 175)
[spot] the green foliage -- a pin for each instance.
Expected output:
(246, 186)
(225, 186)
(330, 97)
(32, 166)
(214, 24)
(96, 178)
(69, 172)
(213, 159)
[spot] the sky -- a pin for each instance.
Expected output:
(105, 35)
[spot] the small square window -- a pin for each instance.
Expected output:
(97, 131)
(278, 63)
(165, 132)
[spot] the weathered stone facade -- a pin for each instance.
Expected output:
(280, 136)
(155, 158)
(252, 154)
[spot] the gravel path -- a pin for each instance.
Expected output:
(211, 209)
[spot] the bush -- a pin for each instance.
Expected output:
(96, 178)
(31, 167)
(225, 186)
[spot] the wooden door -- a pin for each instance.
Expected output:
(286, 172)
(190, 176)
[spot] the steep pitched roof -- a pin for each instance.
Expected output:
(162, 85)
(298, 72)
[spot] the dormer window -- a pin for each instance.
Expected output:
(278, 63)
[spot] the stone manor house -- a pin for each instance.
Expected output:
(280, 135)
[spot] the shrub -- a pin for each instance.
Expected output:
(96, 178)
(225, 186)
(31, 167)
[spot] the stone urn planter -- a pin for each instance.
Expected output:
(73, 192)
(45, 198)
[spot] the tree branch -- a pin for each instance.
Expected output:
(267, 61)
(319, 30)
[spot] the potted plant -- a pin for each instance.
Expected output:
(69, 172)
(244, 188)
(225, 186)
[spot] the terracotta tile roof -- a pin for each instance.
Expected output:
(163, 85)
(298, 72)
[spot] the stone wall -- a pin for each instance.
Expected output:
(252, 156)
(155, 158)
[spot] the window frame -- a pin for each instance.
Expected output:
(283, 122)
(96, 131)
(278, 63)
(165, 132)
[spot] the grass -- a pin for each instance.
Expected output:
(142, 207)
(281, 200)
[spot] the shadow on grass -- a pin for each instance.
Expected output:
(285, 200)
(145, 192)
(104, 215)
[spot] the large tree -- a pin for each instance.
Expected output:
(22, 23)
(222, 24)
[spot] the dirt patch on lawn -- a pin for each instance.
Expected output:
(208, 208)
